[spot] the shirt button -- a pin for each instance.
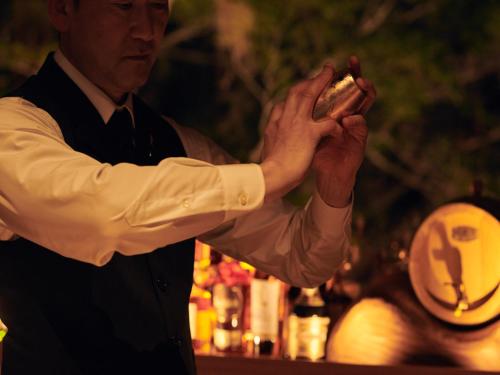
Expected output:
(186, 203)
(243, 198)
(162, 284)
(175, 341)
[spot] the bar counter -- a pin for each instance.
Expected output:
(223, 364)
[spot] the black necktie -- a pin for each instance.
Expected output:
(120, 140)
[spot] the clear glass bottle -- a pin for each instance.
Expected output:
(228, 305)
(264, 313)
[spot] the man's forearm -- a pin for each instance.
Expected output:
(335, 193)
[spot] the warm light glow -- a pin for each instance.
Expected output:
(372, 332)
(402, 254)
(307, 337)
(256, 340)
(3, 330)
(247, 267)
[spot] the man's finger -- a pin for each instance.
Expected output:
(327, 127)
(312, 91)
(355, 66)
(367, 86)
(276, 112)
(292, 101)
(353, 120)
(369, 89)
(356, 126)
(270, 133)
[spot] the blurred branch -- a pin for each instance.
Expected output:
(391, 195)
(408, 178)
(250, 82)
(419, 11)
(21, 68)
(473, 68)
(22, 60)
(373, 19)
(405, 155)
(193, 30)
(262, 95)
(190, 56)
(475, 143)
(255, 153)
(416, 173)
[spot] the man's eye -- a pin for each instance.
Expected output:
(123, 6)
(160, 5)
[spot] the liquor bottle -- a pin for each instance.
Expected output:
(3, 332)
(205, 266)
(228, 299)
(264, 313)
(308, 326)
(201, 319)
(201, 312)
(228, 305)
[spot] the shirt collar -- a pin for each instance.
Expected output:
(101, 101)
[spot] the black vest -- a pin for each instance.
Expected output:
(68, 317)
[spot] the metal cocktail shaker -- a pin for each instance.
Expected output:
(342, 96)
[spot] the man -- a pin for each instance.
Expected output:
(99, 204)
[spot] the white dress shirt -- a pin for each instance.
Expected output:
(80, 208)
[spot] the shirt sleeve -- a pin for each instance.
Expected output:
(80, 208)
(301, 246)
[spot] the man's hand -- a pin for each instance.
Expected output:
(292, 136)
(339, 156)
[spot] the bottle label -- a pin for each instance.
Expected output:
(227, 297)
(307, 337)
(264, 302)
(225, 339)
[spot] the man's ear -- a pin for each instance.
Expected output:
(60, 12)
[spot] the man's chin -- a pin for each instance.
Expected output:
(133, 79)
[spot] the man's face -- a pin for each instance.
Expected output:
(115, 42)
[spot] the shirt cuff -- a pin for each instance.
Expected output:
(327, 218)
(244, 188)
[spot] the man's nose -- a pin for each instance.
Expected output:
(142, 25)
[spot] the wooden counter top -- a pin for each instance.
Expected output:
(215, 364)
